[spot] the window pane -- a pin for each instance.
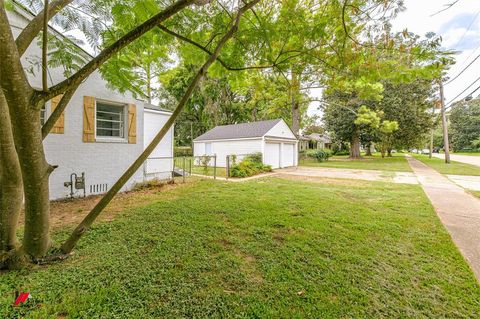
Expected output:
(110, 120)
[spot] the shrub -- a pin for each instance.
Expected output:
(204, 162)
(180, 151)
(249, 166)
(319, 155)
(342, 152)
(254, 157)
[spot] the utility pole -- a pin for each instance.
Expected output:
(431, 132)
(444, 124)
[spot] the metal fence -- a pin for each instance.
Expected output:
(205, 165)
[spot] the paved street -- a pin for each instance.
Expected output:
(467, 159)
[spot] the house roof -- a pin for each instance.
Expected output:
(324, 138)
(155, 108)
(243, 130)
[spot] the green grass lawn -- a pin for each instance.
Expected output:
(198, 169)
(376, 162)
(454, 168)
(467, 153)
(220, 171)
(268, 248)
(476, 193)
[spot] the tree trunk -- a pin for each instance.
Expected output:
(11, 192)
(368, 149)
(35, 173)
(389, 152)
(27, 133)
(355, 145)
(295, 90)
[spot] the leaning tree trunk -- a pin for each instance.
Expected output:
(11, 191)
(355, 145)
(70, 243)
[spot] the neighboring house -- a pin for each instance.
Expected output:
(101, 131)
(315, 141)
(273, 138)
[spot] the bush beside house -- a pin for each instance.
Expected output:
(319, 155)
(251, 165)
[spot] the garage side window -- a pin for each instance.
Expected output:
(110, 120)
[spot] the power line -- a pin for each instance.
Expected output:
(469, 65)
(445, 9)
(468, 29)
(478, 88)
(452, 100)
(471, 54)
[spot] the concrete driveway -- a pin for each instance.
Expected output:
(344, 173)
(467, 159)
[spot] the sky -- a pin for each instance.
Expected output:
(459, 27)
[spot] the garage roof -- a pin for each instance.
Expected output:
(243, 130)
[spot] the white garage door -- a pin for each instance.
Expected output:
(288, 155)
(272, 154)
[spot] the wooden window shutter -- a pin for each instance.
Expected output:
(132, 124)
(59, 126)
(88, 119)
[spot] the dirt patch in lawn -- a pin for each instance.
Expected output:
(324, 180)
(72, 211)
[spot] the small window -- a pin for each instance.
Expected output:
(43, 113)
(110, 120)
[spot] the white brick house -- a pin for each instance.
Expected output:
(101, 131)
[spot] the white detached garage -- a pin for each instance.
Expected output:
(273, 138)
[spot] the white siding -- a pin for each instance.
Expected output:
(198, 148)
(272, 155)
(281, 130)
(103, 163)
(160, 162)
(288, 155)
(230, 147)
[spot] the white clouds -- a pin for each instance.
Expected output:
(459, 27)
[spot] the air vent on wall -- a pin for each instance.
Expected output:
(98, 188)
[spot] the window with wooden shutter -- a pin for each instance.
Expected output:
(88, 119)
(132, 124)
(59, 126)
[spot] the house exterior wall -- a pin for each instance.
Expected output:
(102, 162)
(160, 163)
(281, 130)
(285, 150)
(222, 148)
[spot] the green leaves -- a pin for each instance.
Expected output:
(367, 117)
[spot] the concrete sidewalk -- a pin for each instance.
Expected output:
(466, 159)
(458, 211)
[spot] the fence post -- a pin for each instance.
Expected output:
(215, 166)
(183, 169)
(227, 167)
(191, 160)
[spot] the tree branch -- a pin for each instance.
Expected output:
(36, 24)
(204, 49)
(13, 80)
(45, 47)
(70, 243)
(62, 105)
(108, 52)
